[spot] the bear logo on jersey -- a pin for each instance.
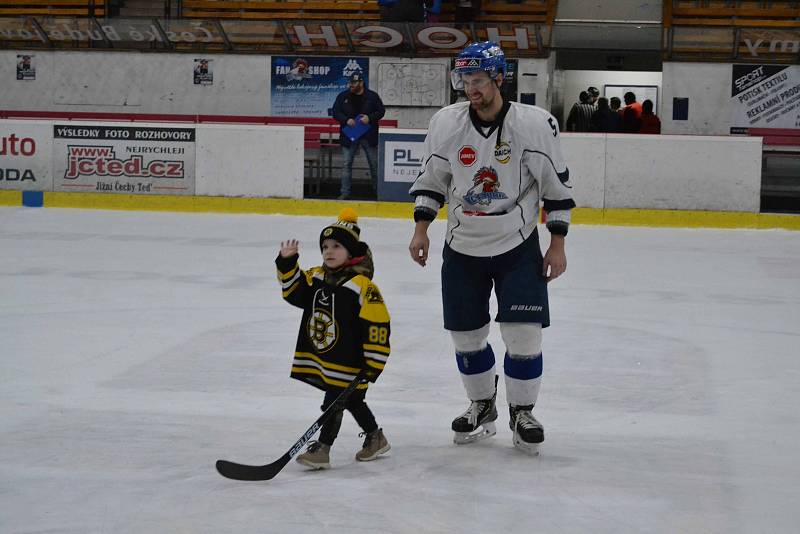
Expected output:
(485, 188)
(321, 328)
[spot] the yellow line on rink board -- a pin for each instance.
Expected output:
(399, 210)
(202, 204)
(684, 219)
(10, 198)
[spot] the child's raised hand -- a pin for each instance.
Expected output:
(289, 248)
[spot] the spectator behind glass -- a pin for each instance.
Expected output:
(594, 94)
(466, 11)
(615, 104)
(604, 119)
(402, 10)
(631, 114)
(650, 124)
(433, 10)
(580, 115)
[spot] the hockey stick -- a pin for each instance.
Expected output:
(267, 472)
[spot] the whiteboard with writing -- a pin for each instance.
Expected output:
(642, 92)
(412, 84)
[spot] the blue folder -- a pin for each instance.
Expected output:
(354, 132)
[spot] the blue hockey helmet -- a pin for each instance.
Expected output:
(484, 56)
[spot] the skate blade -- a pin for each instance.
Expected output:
(524, 446)
(486, 430)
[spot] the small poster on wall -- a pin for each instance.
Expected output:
(25, 67)
(203, 75)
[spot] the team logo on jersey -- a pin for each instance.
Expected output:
(485, 188)
(467, 156)
(373, 295)
(502, 152)
(321, 327)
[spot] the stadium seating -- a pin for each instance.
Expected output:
(261, 10)
(74, 8)
(529, 11)
(732, 13)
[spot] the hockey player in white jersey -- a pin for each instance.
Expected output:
(492, 162)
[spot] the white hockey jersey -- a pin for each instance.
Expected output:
(494, 177)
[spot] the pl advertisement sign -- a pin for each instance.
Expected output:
(308, 86)
(400, 156)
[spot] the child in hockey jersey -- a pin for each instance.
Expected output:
(344, 329)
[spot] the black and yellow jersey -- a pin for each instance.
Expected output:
(345, 327)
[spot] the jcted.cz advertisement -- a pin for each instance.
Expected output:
(124, 159)
(25, 156)
(765, 96)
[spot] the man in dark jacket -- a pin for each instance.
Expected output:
(605, 119)
(355, 107)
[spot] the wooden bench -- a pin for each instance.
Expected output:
(292, 10)
(529, 11)
(73, 8)
(739, 13)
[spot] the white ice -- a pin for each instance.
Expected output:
(138, 348)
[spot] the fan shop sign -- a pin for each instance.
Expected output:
(124, 159)
(25, 156)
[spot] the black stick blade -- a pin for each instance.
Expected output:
(236, 471)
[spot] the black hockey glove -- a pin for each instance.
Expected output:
(372, 375)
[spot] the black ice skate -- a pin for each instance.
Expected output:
(477, 422)
(528, 432)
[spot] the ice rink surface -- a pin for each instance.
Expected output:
(138, 348)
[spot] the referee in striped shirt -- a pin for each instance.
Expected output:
(580, 115)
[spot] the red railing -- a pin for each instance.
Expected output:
(777, 136)
(175, 117)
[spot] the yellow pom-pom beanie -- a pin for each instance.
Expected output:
(345, 231)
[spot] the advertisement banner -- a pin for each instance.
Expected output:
(25, 156)
(123, 159)
(400, 156)
(765, 96)
(308, 86)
